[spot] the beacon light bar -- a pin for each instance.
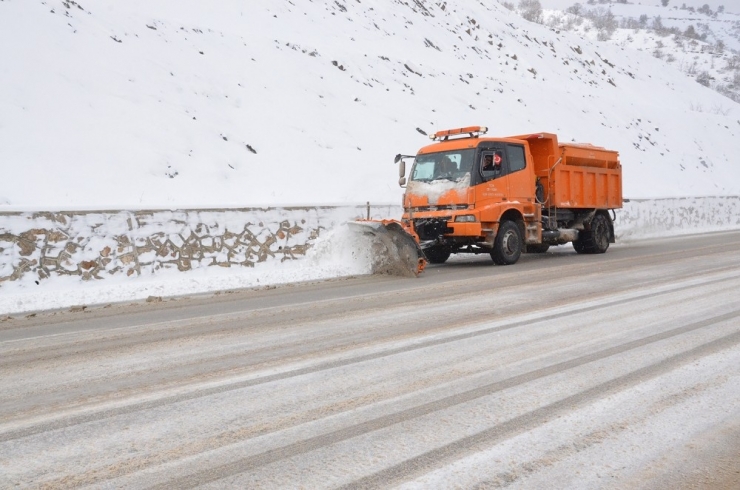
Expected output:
(472, 131)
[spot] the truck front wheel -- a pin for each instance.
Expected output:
(508, 244)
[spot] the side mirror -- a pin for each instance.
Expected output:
(398, 158)
(402, 181)
(402, 168)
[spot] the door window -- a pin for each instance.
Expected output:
(492, 164)
(516, 158)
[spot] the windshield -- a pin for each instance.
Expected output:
(454, 165)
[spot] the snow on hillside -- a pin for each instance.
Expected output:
(153, 103)
(702, 40)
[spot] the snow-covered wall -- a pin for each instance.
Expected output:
(652, 218)
(97, 245)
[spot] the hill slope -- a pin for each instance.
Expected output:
(145, 104)
(701, 42)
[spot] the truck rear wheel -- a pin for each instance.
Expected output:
(595, 240)
(507, 248)
(437, 255)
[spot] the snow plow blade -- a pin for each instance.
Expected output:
(395, 251)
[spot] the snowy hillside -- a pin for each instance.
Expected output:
(146, 103)
(701, 39)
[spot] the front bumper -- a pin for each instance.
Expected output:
(432, 228)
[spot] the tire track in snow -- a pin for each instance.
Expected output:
(173, 329)
(460, 448)
(457, 449)
(192, 374)
(96, 415)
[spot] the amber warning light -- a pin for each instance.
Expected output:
(472, 131)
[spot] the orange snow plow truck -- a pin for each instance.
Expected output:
(467, 193)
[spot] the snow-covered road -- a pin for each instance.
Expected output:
(562, 371)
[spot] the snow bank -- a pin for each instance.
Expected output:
(652, 218)
(56, 260)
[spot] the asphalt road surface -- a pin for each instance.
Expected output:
(619, 370)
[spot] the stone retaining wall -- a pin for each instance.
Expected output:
(95, 245)
(646, 218)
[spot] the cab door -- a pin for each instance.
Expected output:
(493, 188)
(491, 167)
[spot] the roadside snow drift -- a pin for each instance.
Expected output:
(97, 258)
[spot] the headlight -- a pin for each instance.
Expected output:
(465, 218)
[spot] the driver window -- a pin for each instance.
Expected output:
(491, 164)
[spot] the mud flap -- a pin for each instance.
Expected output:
(394, 251)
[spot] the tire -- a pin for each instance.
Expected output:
(595, 240)
(437, 255)
(538, 248)
(507, 248)
(578, 244)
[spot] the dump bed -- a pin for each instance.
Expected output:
(575, 175)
